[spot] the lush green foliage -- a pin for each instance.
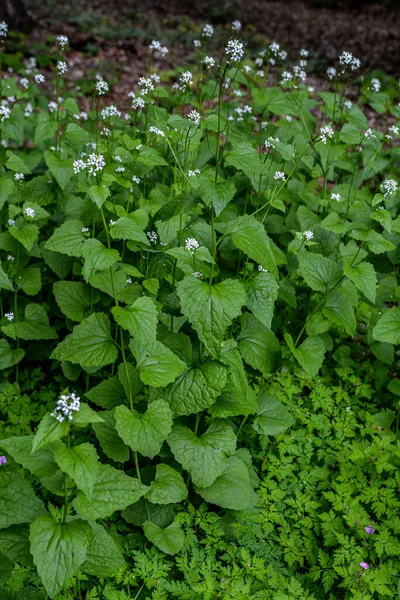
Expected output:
(189, 275)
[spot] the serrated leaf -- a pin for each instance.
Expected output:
(30, 281)
(35, 325)
(196, 389)
(310, 354)
(67, 239)
(86, 415)
(18, 501)
(144, 433)
(9, 356)
(40, 463)
(261, 293)
(97, 257)
(98, 194)
(211, 309)
(49, 430)
(258, 345)
(26, 235)
(80, 463)
(108, 394)
(364, 278)
(387, 328)
(168, 486)
(249, 235)
(339, 310)
(126, 228)
(74, 298)
(103, 556)
(61, 169)
(109, 440)
(58, 550)
(113, 490)
(218, 194)
(231, 489)
(204, 457)
(158, 365)
(272, 416)
(14, 543)
(140, 319)
(320, 273)
(90, 344)
(5, 283)
(169, 540)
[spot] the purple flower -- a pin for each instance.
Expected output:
(369, 529)
(364, 565)
(3, 460)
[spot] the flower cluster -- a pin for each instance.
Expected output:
(193, 173)
(66, 406)
(186, 79)
(157, 131)
(155, 46)
(138, 104)
(208, 31)
(235, 50)
(375, 85)
(153, 237)
(62, 67)
(209, 62)
(389, 187)
(279, 175)
(9, 316)
(3, 29)
(346, 59)
(191, 244)
(110, 111)
(308, 235)
(236, 25)
(195, 117)
(146, 85)
(29, 212)
(94, 164)
(19, 176)
(326, 132)
(62, 41)
(4, 113)
(101, 87)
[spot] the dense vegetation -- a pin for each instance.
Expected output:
(200, 331)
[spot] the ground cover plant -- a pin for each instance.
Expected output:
(182, 281)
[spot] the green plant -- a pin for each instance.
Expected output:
(167, 265)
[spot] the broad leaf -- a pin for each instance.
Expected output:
(258, 345)
(387, 328)
(339, 310)
(158, 365)
(126, 228)
(49, 430)
(9, 356)
(168, 486)
(249, 235)
(97, 257)
(74, 298)
(109, 440)
(18, 501)
(218, 194)
(320, 273)
(261, 293)
(272, 416)
(26, 235)
(39, 463)
(231, 489)
(80, 463)
(5, 282)
(169, 540)
(364, 278)
(35, 325)
(140, 319)
(103, 557)
(67, 239)
(310, 354)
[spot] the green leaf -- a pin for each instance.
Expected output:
(61, 169)
(40, 463)
(168, 486)
(144, 433)
(67, 239)
(18, 501)
(49, 430)
(125, 228)
(108, 394)
(16, 164)
(109, 440)
(339, 310)
(218, 194)
(74, 298)
(169, 540)
(150, 157)
(231, 489)
(249, 235)
(103, 558)
(9, 356)
(113, 490)
(14, 543)
(319, 272)
(204, 457)
(6, 569)
(35, 325)
(60, 264)
(140, 319)
(99, 194)
(272, 416)
(5, 283)
(90, 344)
(310, 354)
(80, 463)
(86, 415)
(196, 389)
(30, 281)
(58, 550)
(97, 257)
(158, 365)
(258, 345)
(211, 309)
(261, 293)
(237, 397)
(364, 278)
(387, 328)
(26, 235)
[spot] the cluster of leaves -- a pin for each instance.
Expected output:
(167, 265)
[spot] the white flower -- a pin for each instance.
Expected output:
(24, 81)
(375, 85)
(308, 235)
(135, 179)
(5, 113)
(9, 316)
(260, 74)
(10, 258)
(280, 175)
(110, 111)
(66, 406)
(208, 31)
(62, 40)
(191, 244)
(19, 176)
(155, 77)
(259, 62)
(286, 76)
(236, 26)
(106, 131)
(138, 104)
(326, 132)
(11, 223)
(129, 280)
(193, 173)
(331, 72)
(282, 54)
(209, 62)
(3, 29)
(120, 169)
(235, 50)
(102, 87)
(195, 117)
(247, 68)
(155, 46)
(389, 186)
(95, 163)
(112, 222)
(346, 59)
(52, 106)
(78, 166)
(146, 85)
(153, 237)
(392, 132)
(369, 133)
(348, 104)
(304, 53)
(29, 212)
(186, 79)
(336, 196)
(261, 269)
(274, 48)
(269, 142)
(85, 230)
(164, 51)
(157, 131)
(39, 78)
(197, 43)
(118, 159)
(62, 67)
(197, 274)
